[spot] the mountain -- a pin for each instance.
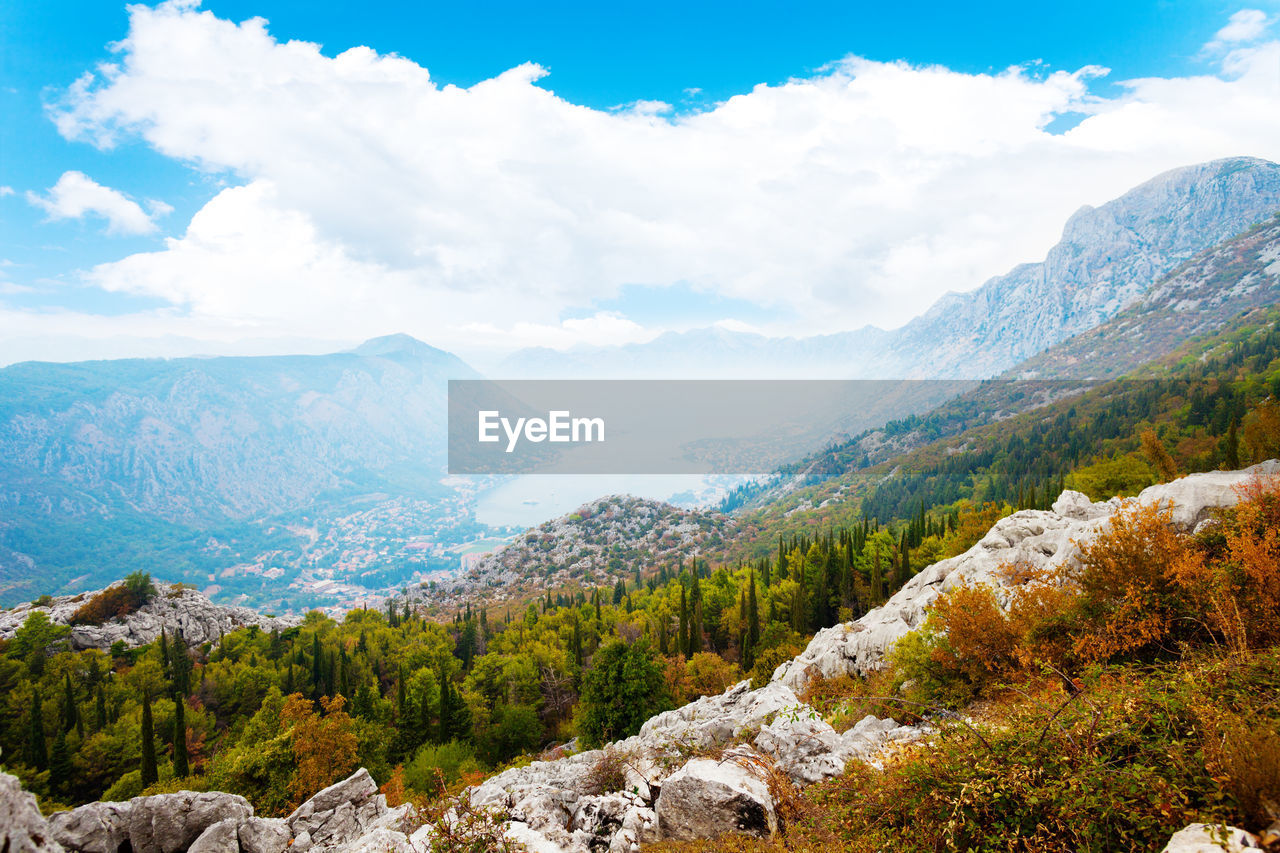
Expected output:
(1107, 259)
(601, 541)
(1197, 298)
(104, 463)
(1226, 286)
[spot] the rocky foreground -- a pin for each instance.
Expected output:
(179, 610)
(710, 768)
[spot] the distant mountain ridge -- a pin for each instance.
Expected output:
(108, 464)
(221, 437)
(1109, 256)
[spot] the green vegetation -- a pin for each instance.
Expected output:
(1111, 703)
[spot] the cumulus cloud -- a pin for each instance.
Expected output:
(1244, 26)
(369, 198)
(76, 195)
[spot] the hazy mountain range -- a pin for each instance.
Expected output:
(1108, 258)
(254, 475)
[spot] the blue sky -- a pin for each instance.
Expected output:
(633, 84)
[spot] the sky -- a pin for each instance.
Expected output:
(254, 176)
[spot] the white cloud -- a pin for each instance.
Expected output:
(76, 195)
(374, 200)
(4, 191)
(1244, 26)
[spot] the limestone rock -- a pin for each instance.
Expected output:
(173, 608)
(93, 828)
(340, 813)
(378, 840)
(1202, 838)
(22, 828)
(708, 798)
(169, 823)
(264, 835)
(1043, 539)
(221, 837)
(808, 750)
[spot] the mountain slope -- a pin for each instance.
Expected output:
(106, 465)
(1197, 298)
(1107, 259)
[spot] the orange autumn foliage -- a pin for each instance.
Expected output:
(324, 745)
(1234, 577)
(1129, 594)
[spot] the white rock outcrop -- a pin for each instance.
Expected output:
(22, 828)
(1202, 838)
(212, 822)
(1042, 539)
(709, 797)
(175, 609)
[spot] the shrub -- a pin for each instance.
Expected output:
(1130, 600)
(609, 773)
(459, 827)
(433, 762)
(116, 601)
(1123, 476)
(1232, 576)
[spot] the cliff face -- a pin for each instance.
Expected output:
(1107, 260)
(176, 609)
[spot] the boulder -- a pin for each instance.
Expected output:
(169, 823)
(22, 828)
(707, 798)
(717, 719)
(93, 828)
(378, 840)
(222, 837)
(264, 835)
(807, 749)
(618, 822)
(340, 813)
(1202, 838)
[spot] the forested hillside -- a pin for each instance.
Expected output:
(276, 715)
(1209, 404)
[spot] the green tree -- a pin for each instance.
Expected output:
(148, 766)
(37, 749)
(180, 768)
(623, 688)
(60, 770)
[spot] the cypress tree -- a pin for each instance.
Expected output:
(181, 666)
(317, 666)
(148, 767)
(69, 715)
(37, 749)
(100, 709)
(164, 649)
(60, 770)
(682, 642)
(877, 580)
(180, 768)
(753, 615)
